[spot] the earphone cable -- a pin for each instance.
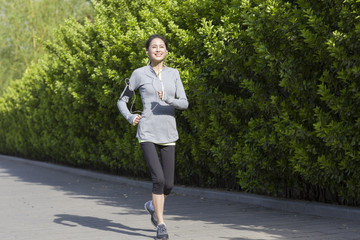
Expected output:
(133, 101)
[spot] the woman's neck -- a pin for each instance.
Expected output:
(157, 66)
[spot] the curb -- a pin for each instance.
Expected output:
(295, 206)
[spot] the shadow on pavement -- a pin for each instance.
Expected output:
(100, 224)
(240, 220)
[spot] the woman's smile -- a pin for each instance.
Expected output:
(157, 50)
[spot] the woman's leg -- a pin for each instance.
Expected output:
(167, 157)
(158, 179)
(159, 202)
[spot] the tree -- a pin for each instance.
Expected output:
(24, 25)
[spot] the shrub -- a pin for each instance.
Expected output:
(273, 90)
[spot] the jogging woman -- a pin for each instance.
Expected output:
(161, 93)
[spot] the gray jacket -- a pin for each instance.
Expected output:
(158, 123)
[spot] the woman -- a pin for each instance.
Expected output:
(161, 93)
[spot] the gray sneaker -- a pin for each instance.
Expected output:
(161, 232)
(151, 212)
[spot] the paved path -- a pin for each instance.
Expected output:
(39, 203)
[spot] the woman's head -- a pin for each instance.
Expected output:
(152, 37)
(156, 49)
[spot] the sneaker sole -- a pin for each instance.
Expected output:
(152, 221)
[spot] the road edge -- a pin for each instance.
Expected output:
(295, 206)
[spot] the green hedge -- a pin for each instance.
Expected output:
(273, 89)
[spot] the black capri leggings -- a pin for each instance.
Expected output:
(162, 171)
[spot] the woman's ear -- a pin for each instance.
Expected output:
(147, 53)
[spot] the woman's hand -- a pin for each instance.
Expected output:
(161, 95)
(137, 120)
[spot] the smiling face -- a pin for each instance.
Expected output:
(156, 51)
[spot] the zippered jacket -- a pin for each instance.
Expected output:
(158, 123)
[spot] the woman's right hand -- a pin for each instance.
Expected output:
(137, 120)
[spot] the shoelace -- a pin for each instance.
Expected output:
(161, 228)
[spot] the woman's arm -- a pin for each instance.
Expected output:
(127, 93)
(180, 102)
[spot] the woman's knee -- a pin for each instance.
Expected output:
(167, 190)
(168, 187)
(158, 186)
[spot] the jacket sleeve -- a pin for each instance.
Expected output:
(180, 101)
(127, 93)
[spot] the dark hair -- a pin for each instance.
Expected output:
(152, 37)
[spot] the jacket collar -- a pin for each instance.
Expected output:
(151, 72)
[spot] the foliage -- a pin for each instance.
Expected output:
(273, 89)
(24, 25)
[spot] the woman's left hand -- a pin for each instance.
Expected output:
(161, 95)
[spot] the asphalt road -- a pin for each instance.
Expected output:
(44, 201)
